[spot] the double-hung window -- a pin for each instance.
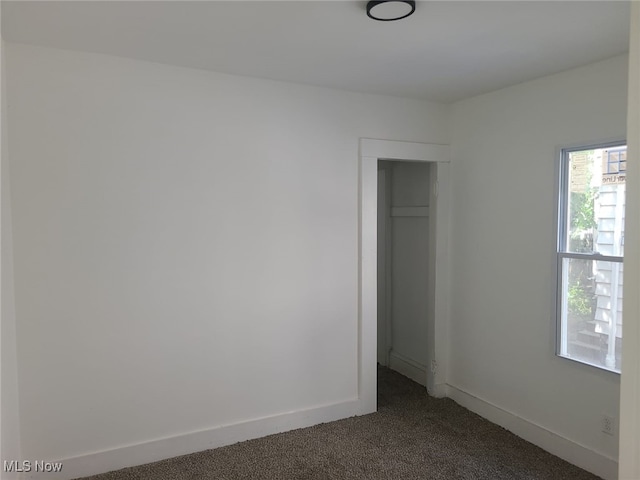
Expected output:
(590, 254)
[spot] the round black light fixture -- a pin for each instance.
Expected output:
(389, 10)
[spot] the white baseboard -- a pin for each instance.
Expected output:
(152, 451)
(562, 447)
(408, 368)
(439, 390)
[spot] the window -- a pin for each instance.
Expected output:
(590, 254)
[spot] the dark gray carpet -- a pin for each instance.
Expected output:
(413, 436)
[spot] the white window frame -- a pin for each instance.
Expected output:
(562, 212)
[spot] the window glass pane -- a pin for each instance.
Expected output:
(595, 202)
(591, 297)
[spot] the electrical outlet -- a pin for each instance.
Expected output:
(607, 424)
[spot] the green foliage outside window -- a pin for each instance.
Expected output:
(580, 300)
(582, 221)
(582, 226)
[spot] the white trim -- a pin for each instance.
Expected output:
(552, 442)
(630, 378)
(409, 368)
(371, 151)
(439, 390)
(368, 284)
(160, 449)
(440, 276)
(395, 150)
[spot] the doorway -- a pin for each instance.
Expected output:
(403, 267)
(438, 295)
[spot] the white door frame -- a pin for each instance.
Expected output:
(371, 151)
(629, 438)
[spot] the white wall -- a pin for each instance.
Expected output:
(383, 264)
(185, 245)
(502, 331)
(9, 428)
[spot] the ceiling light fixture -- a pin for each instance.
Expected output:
(388, 10)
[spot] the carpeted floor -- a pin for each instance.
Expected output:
(413, 436)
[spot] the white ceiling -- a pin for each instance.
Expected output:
(444, 52)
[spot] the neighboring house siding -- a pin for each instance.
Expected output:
(605, 245)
